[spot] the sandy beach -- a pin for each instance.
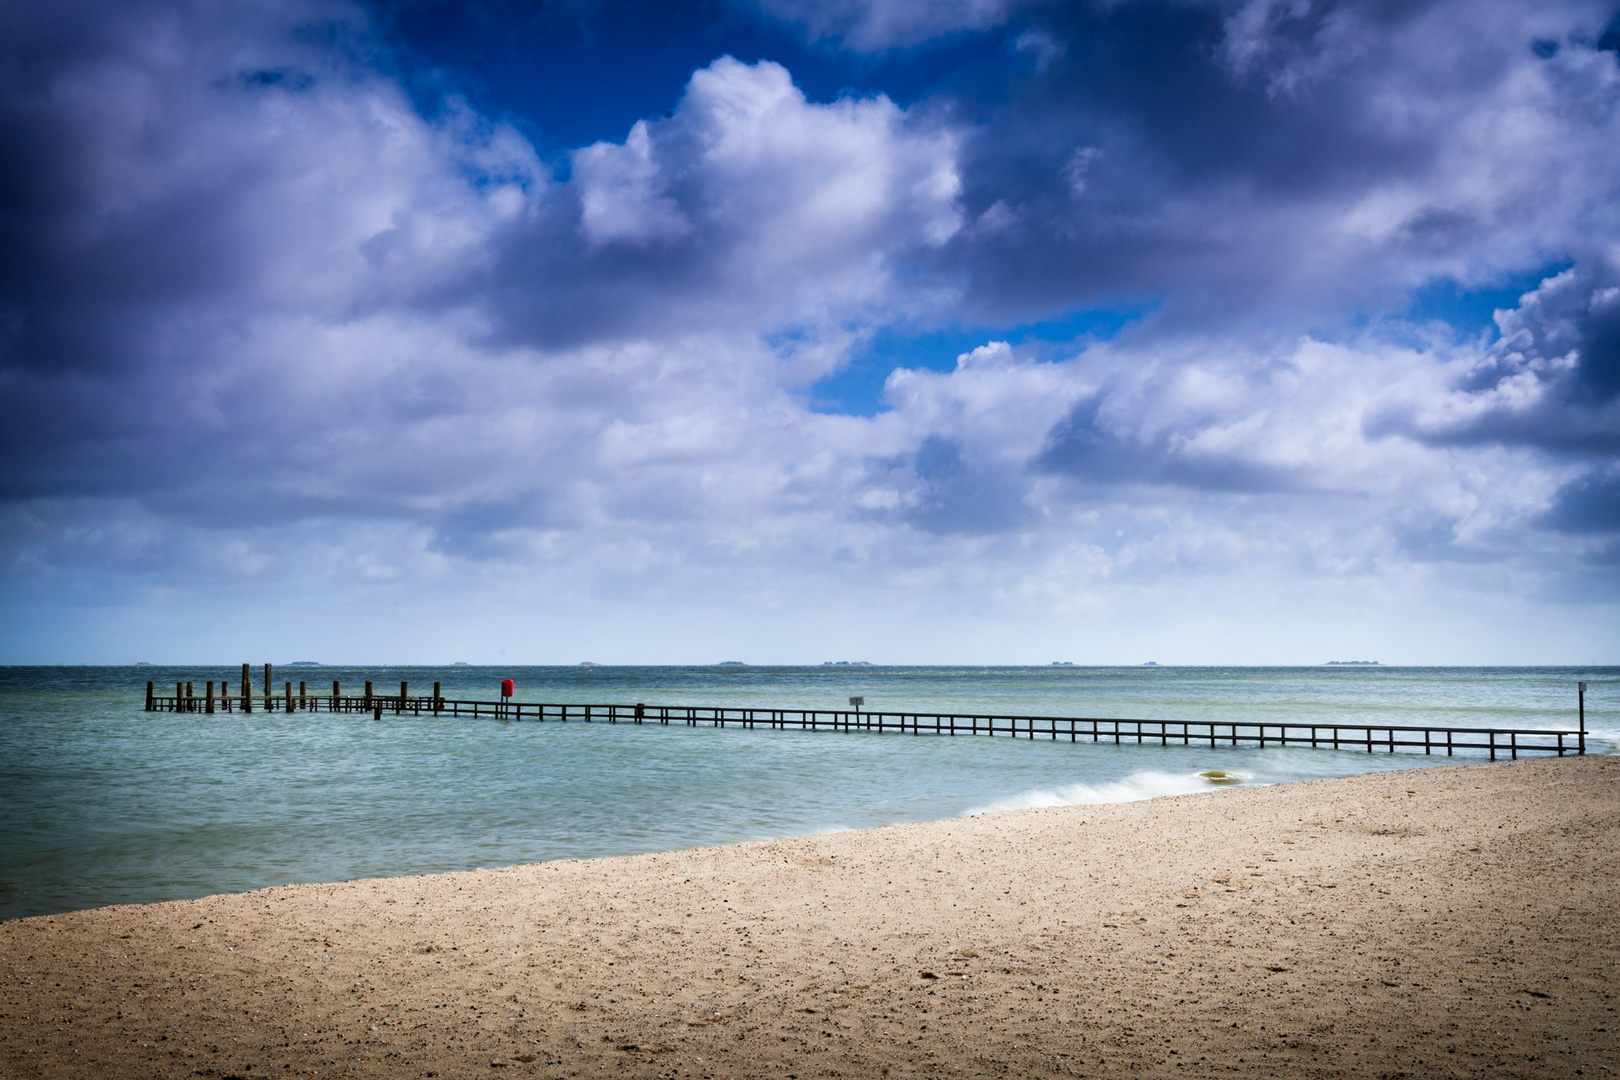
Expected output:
(1455, 921)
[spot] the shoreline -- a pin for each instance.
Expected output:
(1437, 921)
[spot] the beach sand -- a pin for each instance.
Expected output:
(1451, 921)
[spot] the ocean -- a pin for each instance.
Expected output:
(103, 803)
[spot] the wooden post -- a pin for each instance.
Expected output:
(337, 696)
(1580, 691)
(179, 695)
(368, 693)
(376, 709)
(404, 688)
(225, 695)
(287, 701)
(247, 690)
(269, 690)
(210, 700)
(150, 686)
(191, 698)
(303, 695)
(436, 697)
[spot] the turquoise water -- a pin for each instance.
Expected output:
(103, 803)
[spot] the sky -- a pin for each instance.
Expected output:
(908, 331)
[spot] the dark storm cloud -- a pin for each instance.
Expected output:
(1552, 380)
(1086, 447)
(1588, 505)
(1261, 157)
(953, 498)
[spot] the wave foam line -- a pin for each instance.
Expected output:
(1137, 786)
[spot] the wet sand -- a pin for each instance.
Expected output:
(1459, 921)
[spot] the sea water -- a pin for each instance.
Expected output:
(104, 803)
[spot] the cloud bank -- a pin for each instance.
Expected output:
(277, 337)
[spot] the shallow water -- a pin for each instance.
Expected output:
(103, 803)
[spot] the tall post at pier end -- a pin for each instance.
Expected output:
(1580, 691)
(368, 693)
(337, 696)
(150, 686)
(247, 689)
(287, 701)
(435, 697)
(210, 700)
(404, 688)
(269, 690)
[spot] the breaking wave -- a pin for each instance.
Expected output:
(1137, 786)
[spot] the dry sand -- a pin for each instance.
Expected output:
(1453, 921)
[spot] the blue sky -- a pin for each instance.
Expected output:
(1207, 331)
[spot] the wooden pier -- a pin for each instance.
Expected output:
(1371, 738)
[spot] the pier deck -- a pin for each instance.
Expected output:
(1371, 738)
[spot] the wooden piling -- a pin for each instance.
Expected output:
(150, 688)
(438, 698)
(368, 693)
(287, 701)
(303, 695)
(247, 690)
(337, 697)
(269, 688)
(1580, 692)
(210, 699)
(404, 689)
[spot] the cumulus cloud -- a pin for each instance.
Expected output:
(750, 207)
(267, 324)
(1551, 379)
(368, 308)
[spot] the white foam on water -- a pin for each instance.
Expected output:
(1133, 788)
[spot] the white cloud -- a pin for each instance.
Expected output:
(618, 197)
(322, 349)
(799, 209)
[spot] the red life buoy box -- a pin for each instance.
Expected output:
(508, 686)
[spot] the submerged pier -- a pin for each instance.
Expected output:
(1371, 738)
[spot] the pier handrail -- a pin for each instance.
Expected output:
(1369, 737)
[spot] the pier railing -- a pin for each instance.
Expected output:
(1371, 738)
